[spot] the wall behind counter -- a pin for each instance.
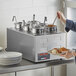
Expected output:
(24, 10)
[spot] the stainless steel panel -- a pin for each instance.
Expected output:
(21, 42)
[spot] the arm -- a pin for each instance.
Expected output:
(69, 24)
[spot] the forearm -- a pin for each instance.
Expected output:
(70, 25)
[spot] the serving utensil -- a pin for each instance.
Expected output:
(54, 20)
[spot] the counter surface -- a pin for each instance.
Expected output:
(27, 65)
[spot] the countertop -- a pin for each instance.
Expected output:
(28, 65)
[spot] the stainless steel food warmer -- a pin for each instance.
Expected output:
(34, 47)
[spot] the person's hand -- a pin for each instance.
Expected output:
(61, 17)
(67, 55)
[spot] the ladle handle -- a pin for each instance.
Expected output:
(24, 23)
(14, 19)
(45, 19)
(33, 17)
(54, 20)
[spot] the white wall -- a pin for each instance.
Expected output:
(24, 9)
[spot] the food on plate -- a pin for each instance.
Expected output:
(54, 51)
(59, 50)
(62, 49)
(67, 55)
(74, 53)
(64, 52)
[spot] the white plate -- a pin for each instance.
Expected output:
(10, 63)
(10, 58)
(6, 55)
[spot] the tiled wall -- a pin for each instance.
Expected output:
(24, 9)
